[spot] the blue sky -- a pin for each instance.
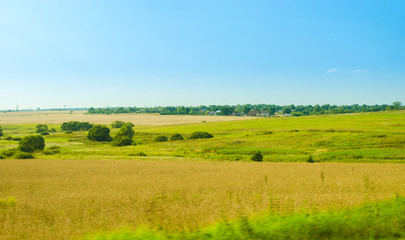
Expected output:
(200, 52)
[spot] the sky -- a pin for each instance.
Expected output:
(105, 53)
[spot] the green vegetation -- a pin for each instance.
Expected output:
(161, 138)
(245, 109)
(124, 136)
(365, 137)
(99, 133)
(117, 124)
(383, 220)
(23, 155)
(176, 136)
(1, 131)
(76, 126)
(257, 157)
(32, 143)
(41, 128)
(200, 134)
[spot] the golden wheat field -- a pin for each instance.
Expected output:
(58, 117)
(65, 199)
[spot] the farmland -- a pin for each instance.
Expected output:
(76, 186)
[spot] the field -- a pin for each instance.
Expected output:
(78, 187)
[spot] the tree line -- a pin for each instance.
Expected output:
(299, 110)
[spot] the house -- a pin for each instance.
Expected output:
(253, 113)
(264, 113)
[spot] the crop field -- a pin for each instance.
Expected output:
(65, 199)
(77, 187)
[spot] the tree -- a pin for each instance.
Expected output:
(41, 128)
(99, 133)
(1, 131)
(397, 105)
(246, 108)
(286, 110)
(257, 157)
(124, 136)
(31, 143)
(226, 110)
(117, 124)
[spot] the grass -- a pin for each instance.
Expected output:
(66, 199)
(384, 220)
(205, 187)
(367, 137)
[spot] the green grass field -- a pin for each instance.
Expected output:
(368, 137)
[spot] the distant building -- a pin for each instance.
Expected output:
(253, 113)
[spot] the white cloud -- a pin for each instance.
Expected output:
(359, 71)
(332, 70)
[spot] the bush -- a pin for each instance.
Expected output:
(44, 133)
(76, 126)
(31, 143)
(161, 138)
(9, 152)
(99, 133)
(1, 131)
(124, 136)
(23, 155)
(52, 130)
(117, 124)
(176, 136)
(257, 157)
(199, 134)
(68, 132)
(141, 154)
(8, 138)
(2, 157)
(41, 128)
(16, 138)
(310, 159)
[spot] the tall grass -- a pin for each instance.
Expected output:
(385, 220)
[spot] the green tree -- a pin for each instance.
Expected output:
(246, 108)
(117, 124)
(31, 143)
(397, 105)
(41, 128)
(99, 133)
(1, 131)
(160, 139)
(124, 136)
(226, 110)
(257, 157)
(286, 110)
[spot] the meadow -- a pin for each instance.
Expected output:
(77, 187)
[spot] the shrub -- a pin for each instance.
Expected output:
(161, 138)
(2, 157)
(176, 136)
(76, 126)
(68, 132)
(124, 136)
(41, 128)
(16, 138)
(257, 157)
(8, 138)
(99, 133)
(52, 130)
(141, 154)
(310, 159)
(199, 134)
(1, 131)
(9, 152)
(31, 143)
(23, 155)
(117, 124)
(44, 133)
